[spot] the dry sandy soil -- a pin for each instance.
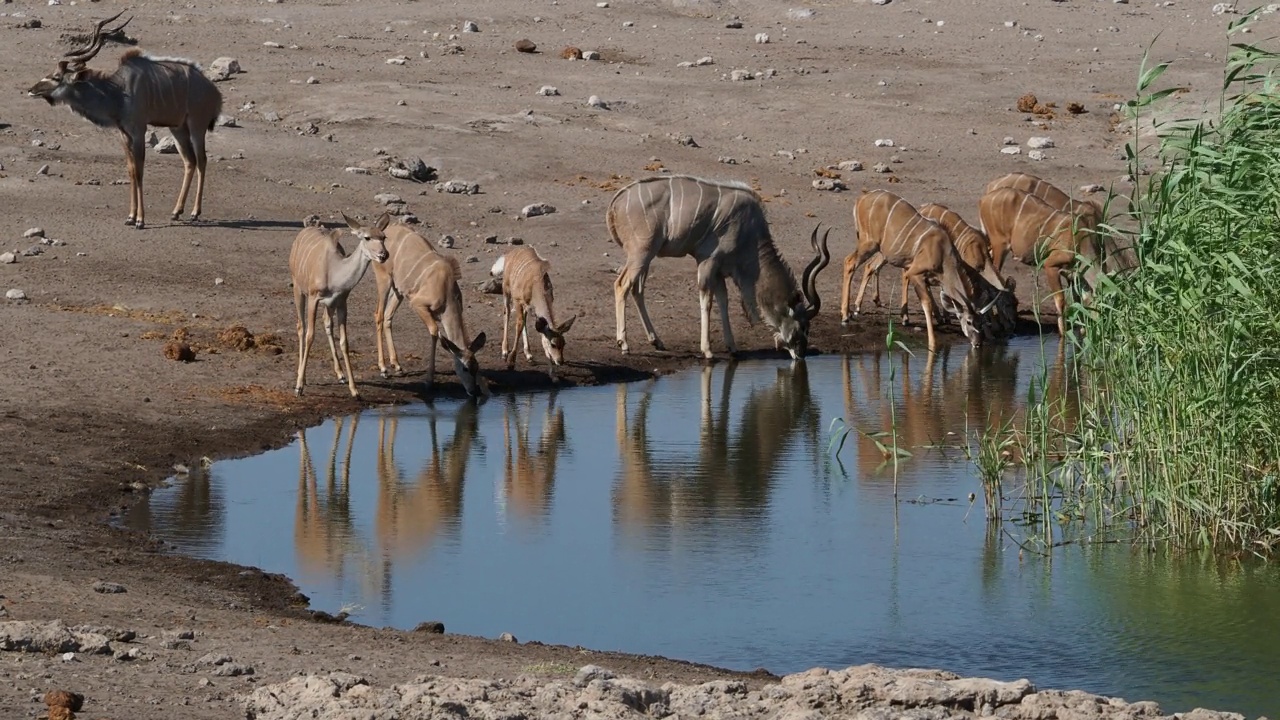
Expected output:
(93, 413)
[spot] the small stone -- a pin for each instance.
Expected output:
(596, 102)
(881, 168)
(447, 241)
(727, 160)
(470, 26)
(44, 170)
(108, 587)
(398, 60)
(312, 80)
(1010, 23)
(271, 116)
(526, 46)
(358, 170)
(8, 258)
(33, 251)
(458, 187)
(1039, 142)
(1036, 155)
(1015, 150)
(227, 121)
(602, 4)
(800, 14)
(741, 75)
(1008, 140)
(704, 61)
(762, 38)
(35, 232)
(832, 184)
(68, 657)
(590, 55)
(548, 90)
(537, 209)
(628, 24)
(588, 673)
(1091, 188)
(734, 24)
(507, 637)
(222, 68)
(387, 199)
(1224, 8)
(272, 44)
(218, 281)
(879, 2)
(849, 165)
(472, 259)
(884, 142)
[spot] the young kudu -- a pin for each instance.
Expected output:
(429, 280)
(975, 251)
(891, 226)
(324, 274)
(143, 91)
(721, 225)
(527, 288)
(397, 234)
(1035, 232)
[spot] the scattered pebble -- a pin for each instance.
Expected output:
(526, 46)
(1039, 142)
(222, 68)
(800, 13)
(537, 209)
(1036, 155)
(398, 60)
(596, 102)
(35, 232)
(470, 26)
(106, 587)
(590, 55)
(548, 90)
(1009, 140)
(8, 258)
(881, 168)
(1091, 188)
(507, 637)
(884, 142)
(832, 184)
(849, 165)
(1015, 150)
(762, 38)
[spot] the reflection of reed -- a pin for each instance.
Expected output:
(732, 474)
(410, 517)
(528, 475)
(323, 532)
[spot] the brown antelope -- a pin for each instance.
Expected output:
(975, 251)
(1037, 234)
(143, 91)
(397, 234)
(529, 473)
(429, 280)
(722, 225)
(1051, 195)
(324, 274)
(527, 288)
(891, 226)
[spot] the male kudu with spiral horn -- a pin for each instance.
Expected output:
(143, 91)
(722, 225)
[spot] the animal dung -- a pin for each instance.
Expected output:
(570, 52)
(526, 46)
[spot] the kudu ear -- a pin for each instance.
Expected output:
(564, 327)
(383, 222)
(351, 223)
(448, 345)
(477, 343)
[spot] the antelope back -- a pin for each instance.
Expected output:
(525, 271)
(312, 251)
(970, 242)
(1049, 193)
(1029, 223)
(895, 226)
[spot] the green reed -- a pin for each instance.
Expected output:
(1175, 383)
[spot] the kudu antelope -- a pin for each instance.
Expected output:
(527, 288)
(722, 225)
(1049, 193)
(889, 225)
(143, 91)
(396, 234)
(529, 470)
(429, 280)
(975, 251)
(1037, 233)
(324, 274)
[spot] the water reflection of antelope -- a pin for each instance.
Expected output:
(324, 535)
(410, 517)
(529, 473)
(732, 473)
(939, 405)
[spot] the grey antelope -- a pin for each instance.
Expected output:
(1036, 233)
(324, 274)
(396, 234)
(722, 225)
(143, 91)
(1050, 194)
(891, 226)
(429, 280)
(526, 288)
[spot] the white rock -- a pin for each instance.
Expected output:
(831, 184)
(762, 38)
(1224, 8)
(741, 75)
(548, 90)
(470, 26)
(358, 170)
(537, 209)
(1008, 140)
(1091, 188)
(1039, 142)
(312, 81)
(879, 2)
(1036, 155)
(15, 294)
(1010, 23)
(167, 145)
(602, 4)
(272, 44)
(35, 232)
(222, 68)
(704, 61)
(1015, 150)
(401, 60)
(849, 165)
(590, 55)
(628, 23)
(596, 102)
(8, 258)
(884, 142)
(218, 281)
(800, 13)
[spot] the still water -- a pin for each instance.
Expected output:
(701, 516)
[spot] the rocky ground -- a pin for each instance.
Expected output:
(333, 104)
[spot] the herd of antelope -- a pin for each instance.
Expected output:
(720, 224)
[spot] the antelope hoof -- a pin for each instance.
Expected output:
(384, 373)
(176, 215)
(140, 225)
(355, 395)
(129, 220)
(342, 378)
(658, 345)
(298, 391)
(195, 217)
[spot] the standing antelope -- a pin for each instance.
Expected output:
(975, 251)
(526, 287)
(1038, 233)
(891, 226)
(397, 234)
(1050, 194)
(430, 282)
(721, 225)
(324, 274)
(143, 91)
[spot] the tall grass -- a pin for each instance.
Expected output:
(1178, 434)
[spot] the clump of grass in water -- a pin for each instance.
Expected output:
(1177, 436)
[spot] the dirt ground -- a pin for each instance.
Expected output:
(93, 413)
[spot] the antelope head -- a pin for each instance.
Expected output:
(553, 337)
(372, 239)
(793, 329)
(55, 87)
(466, 367)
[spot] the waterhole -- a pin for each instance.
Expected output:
(704, 516)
